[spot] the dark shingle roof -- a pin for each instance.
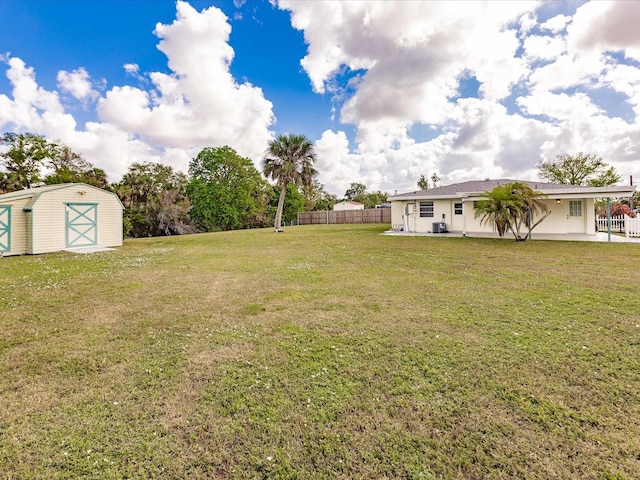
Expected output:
(479, 186)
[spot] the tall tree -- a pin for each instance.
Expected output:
(326, 201)
(289, 159)
(579, 169)
(423, 183)
(371, 199)
(24, 158)
(28, 154)
(227, 191)
(9, 182)
(155, 201)
(69, 166)
(293, 202)
(355, 190)
(317, 198)
(435, 179)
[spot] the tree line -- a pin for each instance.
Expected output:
(222, 191)
(225, 191)
(31, 160)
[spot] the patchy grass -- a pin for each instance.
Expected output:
(323, 352)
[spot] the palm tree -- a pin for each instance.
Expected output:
(510, 206)
(496, 208)
(530, 203)
(289, 159)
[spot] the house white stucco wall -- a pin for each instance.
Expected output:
(457, 210)
(559, 221)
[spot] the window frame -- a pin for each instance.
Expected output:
(575, 208)
(426, 209)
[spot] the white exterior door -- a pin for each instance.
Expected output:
(576, 217)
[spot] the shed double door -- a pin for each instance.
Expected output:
(5, 228)
(82, 224)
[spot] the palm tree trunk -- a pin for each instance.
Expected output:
(278, 223)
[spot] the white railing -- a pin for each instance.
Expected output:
(632, 226)
(621, 224)
(617, 224)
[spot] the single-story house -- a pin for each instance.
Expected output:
(346, 205)
(59, 217)
(451, 207)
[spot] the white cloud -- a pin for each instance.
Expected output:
(338, 168)
(559, 106)
(538, 47)
(197, 104)
(414, 54)
(626, 80)
(527, 21)
(381, 162)
(413, 57)
(30, 102)
(418, 43)
(603, 26)
(411, 68)
(556, 24)
(133, 70)
(77, 83)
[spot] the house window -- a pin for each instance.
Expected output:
(426, 209)
(575, 208)
(457, 208)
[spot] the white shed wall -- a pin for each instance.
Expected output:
(19, 227)
(49, 217)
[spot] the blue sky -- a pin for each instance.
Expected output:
(103, 35)
(387, 91)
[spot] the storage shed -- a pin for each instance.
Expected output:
(59, 217)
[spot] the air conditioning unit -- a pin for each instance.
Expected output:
(439, 227)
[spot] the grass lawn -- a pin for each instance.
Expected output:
(322, 352)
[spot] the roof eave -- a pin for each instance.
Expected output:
(423, 197)
(573, 192)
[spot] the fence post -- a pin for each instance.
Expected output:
(626, 225)
(608, 219)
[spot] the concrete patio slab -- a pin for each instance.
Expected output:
(576, 237)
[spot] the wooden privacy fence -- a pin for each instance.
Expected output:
(370, 215)
(620, 223)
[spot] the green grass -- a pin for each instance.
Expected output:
(322, 352)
